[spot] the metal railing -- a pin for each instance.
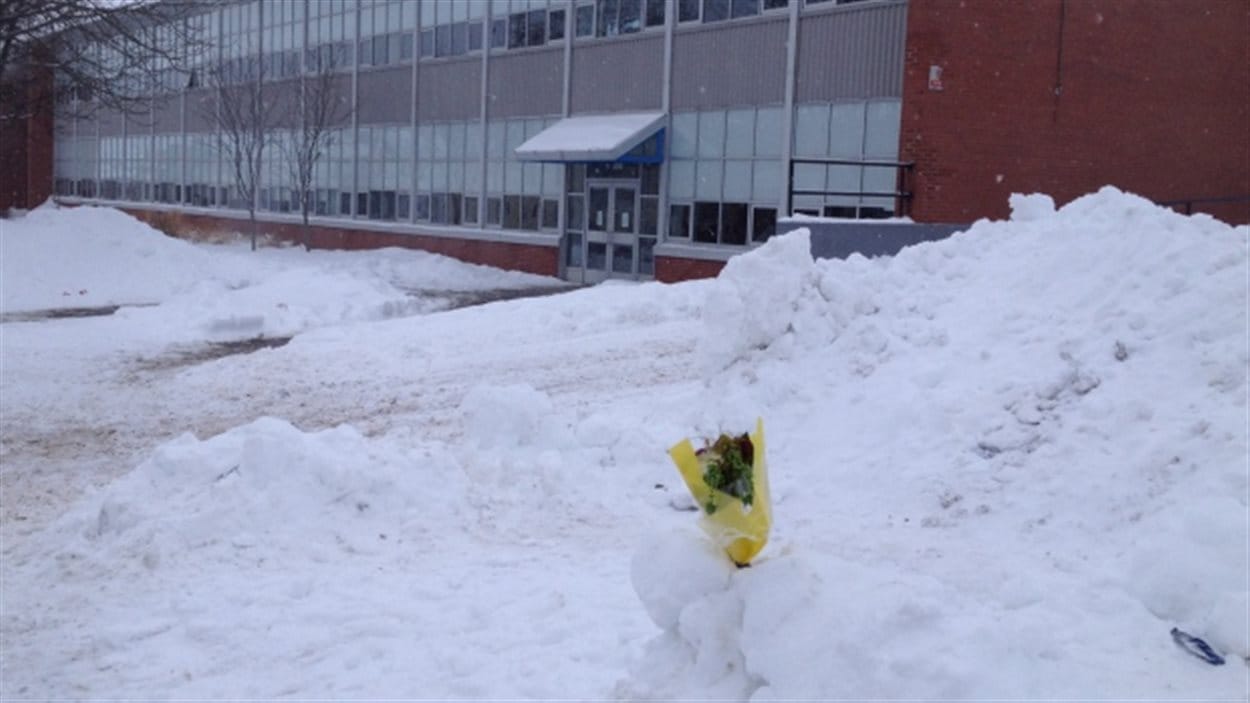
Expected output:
(901, 194)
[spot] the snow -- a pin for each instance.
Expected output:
(1004, 465)
(591, 137)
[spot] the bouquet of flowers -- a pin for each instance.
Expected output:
(728, 478)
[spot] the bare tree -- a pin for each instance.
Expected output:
(320, 106)
(109, 54)
(243, 117)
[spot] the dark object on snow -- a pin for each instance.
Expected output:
(1196, 647)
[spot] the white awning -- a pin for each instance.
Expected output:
(591, 137)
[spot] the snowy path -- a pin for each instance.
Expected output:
(101, 406)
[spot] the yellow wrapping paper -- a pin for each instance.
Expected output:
(742, 531)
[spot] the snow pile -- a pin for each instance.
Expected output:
(216, 501)
(1005, 465)
(91, 256)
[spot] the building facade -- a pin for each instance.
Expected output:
(641, 139)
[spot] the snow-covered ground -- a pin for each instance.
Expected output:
(1003, 465)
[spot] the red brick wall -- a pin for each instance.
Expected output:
(12, 163)
(26, 154)
(39, 158)
(670, 269)
(506, 255)
(1154, 99)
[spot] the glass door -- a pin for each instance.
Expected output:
(611, 231)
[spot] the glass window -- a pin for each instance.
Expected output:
(531, 208)
(607, 26)
(840, 211)
(576, 213)
(737, 184)
(650, 179)
(573, 250)
(811, 130)
(551, 214)
(881, 136)
(459, 38)
(711, 134)
(516, 30)
(846, 130)
(427, 43)
(475, 36)
(438, 208)
(646, 256)
(598, 209)
(585, 20)
(493, 209)
(422, 209)
(740, 133)
(715, 10)
(630, 20)
(775, 4)
(681, 179)
(596, 255)
(708, 179)
(706, 221)
(648, 216)
(622, 258)
(576, 182)
(733, 223)
(624, 210)
(512, 212)
(745, 8)
(555, 25)
(768, 131)
(763, 223)
(766, 180)
(655, 12)
(537, 35)
(405, 47)
(442, 40)
(470, 210)
(684, 136)
(687, 10)
(498, 33)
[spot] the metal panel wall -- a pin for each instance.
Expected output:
(618, 76)
(855, 52)
(200, 106)
(167, 114)
(449, 90)
(726, 65)
(526, 84)
(111, 123)
(385, 95)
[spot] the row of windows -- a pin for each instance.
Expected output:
(450, 28)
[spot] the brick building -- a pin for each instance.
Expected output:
(656, 138)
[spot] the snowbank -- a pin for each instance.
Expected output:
(1007, 464)
(93, 257)
(1003, 465)
(57, 257)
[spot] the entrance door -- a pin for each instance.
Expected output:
(611, 230)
